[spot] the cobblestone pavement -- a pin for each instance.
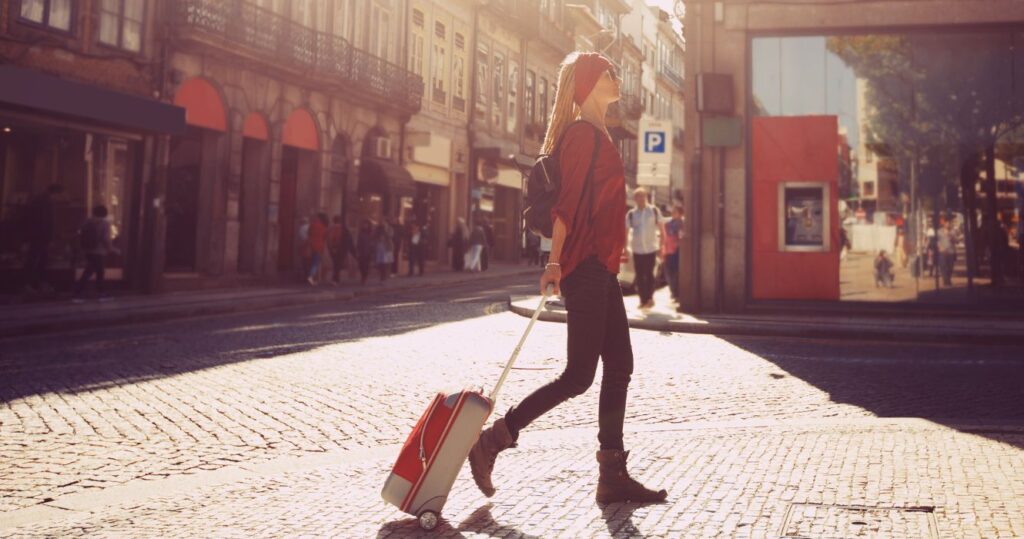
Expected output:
(753, 436)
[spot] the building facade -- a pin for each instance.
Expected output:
(81, 109)
(293, 107)
(854, 156)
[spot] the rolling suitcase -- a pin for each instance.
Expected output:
(437, 448)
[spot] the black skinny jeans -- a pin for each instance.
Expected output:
(643, 266)
(597, 326)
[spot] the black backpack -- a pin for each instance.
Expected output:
(89, 236)
(545, 183)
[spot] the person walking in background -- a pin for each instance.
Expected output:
(96, 241)
(305, 255)
(545, 250)
(399, 240)
(532, 248)
(585, 254)
(385, 252)
(477, 241)
(39, 220)
(644, 223)
(457, 243)
(317, 245)
(673, 234)
(417, 248)
(366, 249)
(946, 245)
(488, 247)
(340, 245)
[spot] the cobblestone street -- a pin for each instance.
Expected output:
(284, 422)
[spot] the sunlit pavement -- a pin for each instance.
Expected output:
(285, 423)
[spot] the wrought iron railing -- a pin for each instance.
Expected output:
(290, 45)
(671, 76)
(630, 106)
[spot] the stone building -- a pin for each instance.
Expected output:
(81, 108)
(293, 108)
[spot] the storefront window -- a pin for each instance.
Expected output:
(90, 170)
(926, 160)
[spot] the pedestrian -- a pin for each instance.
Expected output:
(932, 251)
(39, 220)
(305, 255)
(946, 244)
(883, 270)
(340, 245)
(644, 223)
(673, 234)
(417, 248)
(316, 244)
(398, 237)
(95, 241)
(545, 250)
(488, 247)
(457, 242)
(844, 243)
(585, 254)
(366, 249)
(532, 248)
(477, 242)
(385, 253)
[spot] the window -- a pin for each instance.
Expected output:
(529, 110)
(482, 81)
(459, 73)
(513, 97)
(440, 63)
(498, 103)
(417, 18)
(344, 18)
(380, 44)
(542, 98)
(53, 13)
(121, 23)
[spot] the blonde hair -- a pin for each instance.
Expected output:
(565, 110)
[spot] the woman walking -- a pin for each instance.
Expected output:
(366, 249)
(385, 255)
(587, 244)
(457, 242)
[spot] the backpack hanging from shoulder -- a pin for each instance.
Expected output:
(545, 184)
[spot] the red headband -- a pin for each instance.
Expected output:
(589, 68)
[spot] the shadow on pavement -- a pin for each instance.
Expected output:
(481, 521)
(619, 519)
(409, 527)
(958, 386)
(93, 360)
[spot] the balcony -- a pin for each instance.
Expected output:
(671, 76)
(555, 36)
(522, 16)
(630, 106)
(246, 29)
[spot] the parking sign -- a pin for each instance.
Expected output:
(654, 142)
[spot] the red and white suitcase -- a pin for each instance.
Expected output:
(435, 451)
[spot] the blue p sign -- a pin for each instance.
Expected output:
(654, 142)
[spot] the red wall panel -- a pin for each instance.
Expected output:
(792, 149)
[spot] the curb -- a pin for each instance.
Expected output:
(199, 307)
(838, 328)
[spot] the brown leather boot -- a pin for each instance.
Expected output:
(615, 484)
(481, 458)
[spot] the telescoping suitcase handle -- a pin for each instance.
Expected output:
(515, 353)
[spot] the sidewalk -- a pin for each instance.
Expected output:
(33, 318)
(663, 317)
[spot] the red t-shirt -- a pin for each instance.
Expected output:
(604, 234)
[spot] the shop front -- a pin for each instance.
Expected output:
(66, 148)
(881, 163)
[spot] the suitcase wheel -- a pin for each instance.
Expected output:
(428, 520)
